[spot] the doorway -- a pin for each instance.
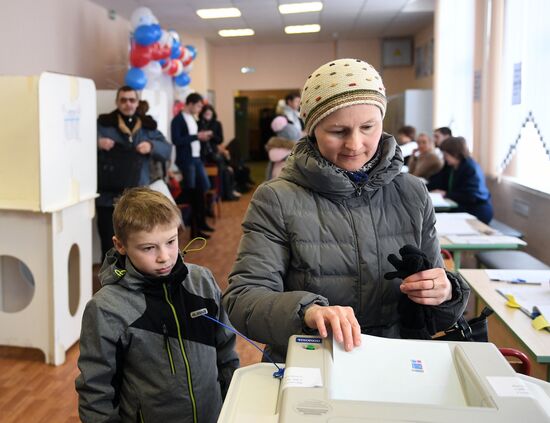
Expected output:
(253, 121)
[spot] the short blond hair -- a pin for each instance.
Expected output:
(142, 209)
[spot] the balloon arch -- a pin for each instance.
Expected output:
(154, 51)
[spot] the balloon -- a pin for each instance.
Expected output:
(153, 70)
(142, 16)
(185, 54)
(188, 68)
(179, 68)
(172, 66)
(160, 51)
(166, 38)
(182, 80)
(176, 50)
(147, 34)
(175, 36)
(192, 50)
(135, 78)
(140, 55)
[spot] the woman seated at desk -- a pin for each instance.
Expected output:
(462, 180)
(424, 161)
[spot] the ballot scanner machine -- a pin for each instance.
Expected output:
(386, 380)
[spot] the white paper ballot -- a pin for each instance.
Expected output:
(396, 370)
(302, 377)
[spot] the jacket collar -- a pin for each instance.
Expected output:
(305, 168)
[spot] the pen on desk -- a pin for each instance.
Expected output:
(517, 281)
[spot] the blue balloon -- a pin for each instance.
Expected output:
(146, 35)
(136, 78)
(192, 50)
(182, 80)
(163, 62)
(175, 53)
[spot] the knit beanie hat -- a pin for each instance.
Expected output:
(337, 84)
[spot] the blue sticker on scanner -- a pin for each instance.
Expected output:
(309, 340)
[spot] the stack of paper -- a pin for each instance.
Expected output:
(396, 370)
(485, 239)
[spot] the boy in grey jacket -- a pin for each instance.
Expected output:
(142, 356)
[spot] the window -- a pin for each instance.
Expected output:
(524, 149)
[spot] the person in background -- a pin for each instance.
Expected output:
(313, 254)
(424, 161)
(188, 140)
(284, 129)
(441, 134)
(406, 139)
(462, 180)
(127, 145)
(142, 357)
(216, 152)
(290, 110)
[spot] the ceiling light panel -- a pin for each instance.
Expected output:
(302, 29)
(313, 6)
(244, 32)
(226, 12)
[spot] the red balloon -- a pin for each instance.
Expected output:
(160, 51)
(140, 55)
(171, 67)
(187, 62)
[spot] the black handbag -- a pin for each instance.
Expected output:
(473, 330)
(119, 168)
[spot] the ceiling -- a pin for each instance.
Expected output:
(339, 19)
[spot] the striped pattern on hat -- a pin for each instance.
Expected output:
(337, 84)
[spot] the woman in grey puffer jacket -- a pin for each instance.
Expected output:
(313, 252)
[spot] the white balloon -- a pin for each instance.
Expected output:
(188, 68)
(142, 16)
(174, 35)
(152, 70)
(166, 39)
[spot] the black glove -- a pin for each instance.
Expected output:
(413, 261)
(412, 316)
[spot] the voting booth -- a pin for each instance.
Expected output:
(48, 184)
(386, 380)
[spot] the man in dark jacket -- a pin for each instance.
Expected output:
(126, 144)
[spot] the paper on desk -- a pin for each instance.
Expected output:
(484, 239)
(454, 224)
(518, 274)
(396, 370)
(438, 200)
(302, 377)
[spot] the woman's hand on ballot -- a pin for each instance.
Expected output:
(342, 321)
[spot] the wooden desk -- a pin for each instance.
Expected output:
(482, 229)
(509, 327)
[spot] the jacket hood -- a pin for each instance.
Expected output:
(118, 269)
(306, 168)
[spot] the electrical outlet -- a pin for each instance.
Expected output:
(521, 207)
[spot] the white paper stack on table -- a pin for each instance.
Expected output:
(454, 224)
